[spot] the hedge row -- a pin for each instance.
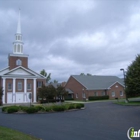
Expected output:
(91, 98)
(35, 109)
(50, 101)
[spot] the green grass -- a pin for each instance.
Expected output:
(9, 134)
(130, 103)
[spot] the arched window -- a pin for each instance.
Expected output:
(18, 62)
(18, 48)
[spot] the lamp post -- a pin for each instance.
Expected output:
(124, 84)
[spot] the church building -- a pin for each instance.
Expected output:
(18, 80)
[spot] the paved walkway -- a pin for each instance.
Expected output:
(99, 121)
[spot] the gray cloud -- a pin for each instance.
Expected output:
(70, 37)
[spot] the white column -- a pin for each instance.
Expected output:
(14, 90)
(34, 90)
(3, 98)
(25, 89)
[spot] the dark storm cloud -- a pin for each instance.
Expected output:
(70, 37)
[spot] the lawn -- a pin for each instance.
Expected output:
(9, 134)
(130, 103)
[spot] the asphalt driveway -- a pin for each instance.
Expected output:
(99, 121)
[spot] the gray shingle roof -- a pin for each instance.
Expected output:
(97, 82)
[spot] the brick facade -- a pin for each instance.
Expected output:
(79, 89)
(13, 59)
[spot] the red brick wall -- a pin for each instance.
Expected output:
(12, 61)
(91, 92)
(76, 87)
(116, 90)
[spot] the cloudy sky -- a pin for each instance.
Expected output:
(67, 37)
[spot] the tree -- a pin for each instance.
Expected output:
(88, 74)
(47, 76)
(132, 78)
(82, 74)
(46, 93)
(61, 92)
(1, 94)
(55, 81)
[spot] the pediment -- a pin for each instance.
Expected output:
(20, 71)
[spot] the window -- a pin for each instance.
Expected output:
(39, 84)
(84, 96)
(121, 93)
(18, 48)
(113, 94)
(95, 93)
(29, 86)
(103, 93)
(9, 86)
(19, 86)
(76, 95)
(18, 62)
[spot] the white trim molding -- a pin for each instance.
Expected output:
(3, 98)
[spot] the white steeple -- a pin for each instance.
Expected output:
(18, 26)
(18, 44)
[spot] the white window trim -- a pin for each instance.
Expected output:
(121, 92)
(29, 86)
(84, 95)
(39, 85)
(112, 94)
(18, 86)
(9, 89)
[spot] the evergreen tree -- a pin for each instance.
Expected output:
(132, 78)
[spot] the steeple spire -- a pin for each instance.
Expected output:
(18, 44)
(19, 26)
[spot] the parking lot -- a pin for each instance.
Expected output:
(98, 121)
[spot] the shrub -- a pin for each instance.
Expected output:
(91, 98)
(58, 108)
(4, 109)
(72, 106)
(79, 106)
(48, 108)
(39, 108)
(69, 99)
(31, 110)
(12, 109)
(23, 108)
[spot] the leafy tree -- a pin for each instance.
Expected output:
(88, 74)
(1, 94)
(132, 78)
(46, 92)
(48, 76)
(61, 92)
(55, 81)
(82, 74)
